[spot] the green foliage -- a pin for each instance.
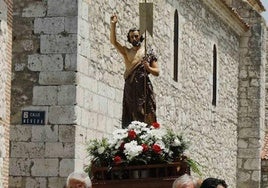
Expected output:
(100, 151)
(139, 144)
(195, 166)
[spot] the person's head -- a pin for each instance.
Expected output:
(184, 181)
(213, 183)
(78, 180)
(134, 37)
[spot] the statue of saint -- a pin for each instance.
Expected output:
(138, 99)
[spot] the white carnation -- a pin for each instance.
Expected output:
(132, 149)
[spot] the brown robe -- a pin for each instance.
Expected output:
(138, 100)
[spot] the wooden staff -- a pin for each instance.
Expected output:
(146, 24)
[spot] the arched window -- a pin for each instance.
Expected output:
(214, 81)
(176, 45)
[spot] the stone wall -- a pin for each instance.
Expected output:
(5, 82)
(64, 64)
(184, 105)
(264, 161)
(44, 64)
(251, 126)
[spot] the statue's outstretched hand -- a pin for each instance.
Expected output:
(114, 19)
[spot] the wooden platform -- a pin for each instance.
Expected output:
(144, 176)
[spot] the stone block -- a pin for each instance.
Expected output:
(45, 167)
(15, 181)
(84, 47)
(19, 167)
(93, 120)
(80, 135)
(256, 176)
(36, 182)
(106, 90)
(252, 164)
(254, 143)
(83, 10)
(102, 120)
(103, 105)
(248, 133)
(242, 143)
(62, 8)
(67, 133)
(20, 133)
(70, 24)
(248, 153)
(27, 149)
(78, 111)
(45, 95)
(243, 176)
(67, 95)
(111, 108)
(71, 62)
(51, 25)
(83, 30)
(59, 150)
(62, 115)
(87, 82)
(243, 102)
(91, 101)
(80, 96)
(23, 45)
(57, 78)
(83, 65)
(34, 9)
(239, 163)
(255, 82)
(50, 62)
(46, 133)
(118, 95)
(66, 167)
(111, 124)
(56, 182)
(254, 93)
(85, 117)
(58, 43)
(80, 151)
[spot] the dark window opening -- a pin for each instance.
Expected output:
(176, 45)
(214, 82)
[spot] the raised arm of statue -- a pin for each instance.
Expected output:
(113, 39)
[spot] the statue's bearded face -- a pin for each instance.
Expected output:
(134, 37)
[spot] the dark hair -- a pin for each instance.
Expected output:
(132, 30)
(213, 183)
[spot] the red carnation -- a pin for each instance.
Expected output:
(156, 125)
(145, 147)
(122, 146)
(117, 159)
(156, 148)
(132, 134)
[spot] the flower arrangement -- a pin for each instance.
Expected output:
(138, 144)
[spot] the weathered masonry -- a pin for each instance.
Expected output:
(67, 83)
